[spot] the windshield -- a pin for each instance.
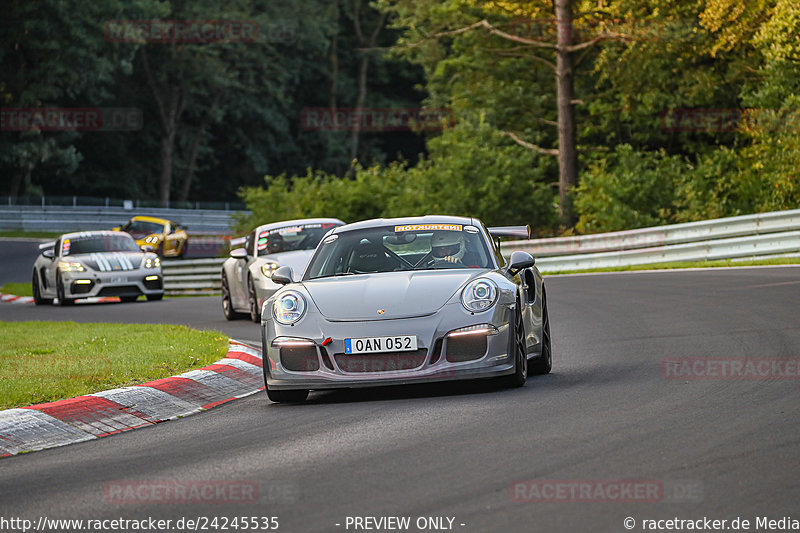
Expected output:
(117, 242)
(291, 238)
(400, 248)
(141, 226)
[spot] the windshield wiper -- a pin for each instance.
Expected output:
(335, 275)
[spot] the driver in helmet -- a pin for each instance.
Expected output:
(448, 246)
(275, 244)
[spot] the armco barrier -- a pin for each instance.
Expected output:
(777, 221)
(192, 276)
(63, 219)
(774, 234)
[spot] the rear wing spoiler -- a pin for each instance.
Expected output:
(46, 245)
(522, 232)
(238, 241)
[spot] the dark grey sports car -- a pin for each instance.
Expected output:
(407, 300)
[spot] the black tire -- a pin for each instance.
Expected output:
(287, 396)
(252, 299)
(62, 300)
(544, 363)
(128, 299)
(155, 297)
(520, 375)
(37, 291)
(227, 304)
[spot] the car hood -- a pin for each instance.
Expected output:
(298, 260)
(397, 294)
(109, 261)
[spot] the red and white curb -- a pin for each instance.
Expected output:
(48, 425)
(14, 299)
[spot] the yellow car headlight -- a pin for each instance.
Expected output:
(71, 266)
(268, 268)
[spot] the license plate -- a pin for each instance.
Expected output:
(399, 343)
(119, 279)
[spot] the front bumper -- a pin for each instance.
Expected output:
(118, 283)
(327, 367)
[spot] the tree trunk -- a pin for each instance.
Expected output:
(165, 177)
(205, 123)
(567, 151)
(16, 183)
(170, 107)
(361, 100)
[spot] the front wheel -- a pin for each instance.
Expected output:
(544, 363)
(520, 375)
(155, 297)
(255, 310)
(227, 302)
(37, 291)
(62, 299)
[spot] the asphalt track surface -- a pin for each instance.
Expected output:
(605, 413)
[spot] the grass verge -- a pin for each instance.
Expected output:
(48, 361)
(18, 289)
(22, 234)
(686, 264)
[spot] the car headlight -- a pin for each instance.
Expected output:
(289, 308)
(479, 295)
(71, 266)
(152, 262)
(268, 268)
(152, 239)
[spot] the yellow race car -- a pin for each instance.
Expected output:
(168, 238)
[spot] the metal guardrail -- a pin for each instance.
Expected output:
(192, 276)
(774, 234)
(764, 235)
(81, 218)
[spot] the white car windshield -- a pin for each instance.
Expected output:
(400, 248)
(117, 242)
(290, 238)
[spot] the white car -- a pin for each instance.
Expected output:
(247, 274)
(95, 264)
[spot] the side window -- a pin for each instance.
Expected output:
(250, 243)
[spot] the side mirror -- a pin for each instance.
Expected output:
(283, 275)
(239, 253)
(49, 253)
(147, 248)
(520, 261)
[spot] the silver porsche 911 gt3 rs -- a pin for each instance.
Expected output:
(407, 300)
(247, 274)
(95, 263)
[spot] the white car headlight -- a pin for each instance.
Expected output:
(152, 262)
(289, 308)
(71, 266)
(479, 295)
(268, 268)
